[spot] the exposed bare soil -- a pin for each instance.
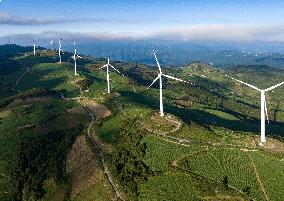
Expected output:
(5, 113)
(82, 166)
(76, 110)
(27, 101)
(100, 111)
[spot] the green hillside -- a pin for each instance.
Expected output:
(64, 138)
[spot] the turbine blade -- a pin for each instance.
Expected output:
(265, 108)
(273, 87)
(116, 70)
(171, 77)
(153, 82)
(157, 62)
(254, 87)
(103, 66)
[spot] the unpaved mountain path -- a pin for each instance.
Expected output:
(176, 122)
(101, 155)
(88, 107)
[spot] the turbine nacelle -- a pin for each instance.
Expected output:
(160, 75)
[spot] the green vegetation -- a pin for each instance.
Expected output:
(231, 167)
(109, 130)
(171, 186)
(51, 76)
(160, 154)
(39, 158)
(127, 159)
(100, 191)
(271, 171)
(35, 139)
(207, 152)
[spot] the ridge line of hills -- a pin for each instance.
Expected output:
(211, 155)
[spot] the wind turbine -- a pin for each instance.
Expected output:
(59, 50)
(74, 58)
(51, 43)
(263, 105)
(160, 75)
(34, 40)
(108, 65)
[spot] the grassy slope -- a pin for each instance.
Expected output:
(271, 171)
(197, 120)
(27, 120)
(51, 76)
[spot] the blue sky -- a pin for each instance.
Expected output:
(244, 19)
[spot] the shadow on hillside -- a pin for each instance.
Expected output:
(92, 77)
(32, 61)
(34, 80)
(204, 118)
(237, 115)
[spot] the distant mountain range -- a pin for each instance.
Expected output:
(177, 53)
(171, 53)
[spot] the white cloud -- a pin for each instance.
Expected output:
(213, 32)
(225, 32)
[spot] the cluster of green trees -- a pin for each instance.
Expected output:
(35, 92)
(127, 158)
(39, 158)
(9, 66)
(84, 83)
(12, 50)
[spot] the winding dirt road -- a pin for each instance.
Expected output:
(95, 145)
(177, 123)
(101, 155)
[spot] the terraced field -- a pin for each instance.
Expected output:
(271, 173)
(236, 169)
(172, 186)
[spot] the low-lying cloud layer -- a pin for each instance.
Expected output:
(212, 32)
(215, 32)
(225, 32)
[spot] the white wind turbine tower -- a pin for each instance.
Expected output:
(263, 105)
(51, 44)
(74, 57)
(108, 65)
(34, 40)
(59, 50)
(161, 84)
